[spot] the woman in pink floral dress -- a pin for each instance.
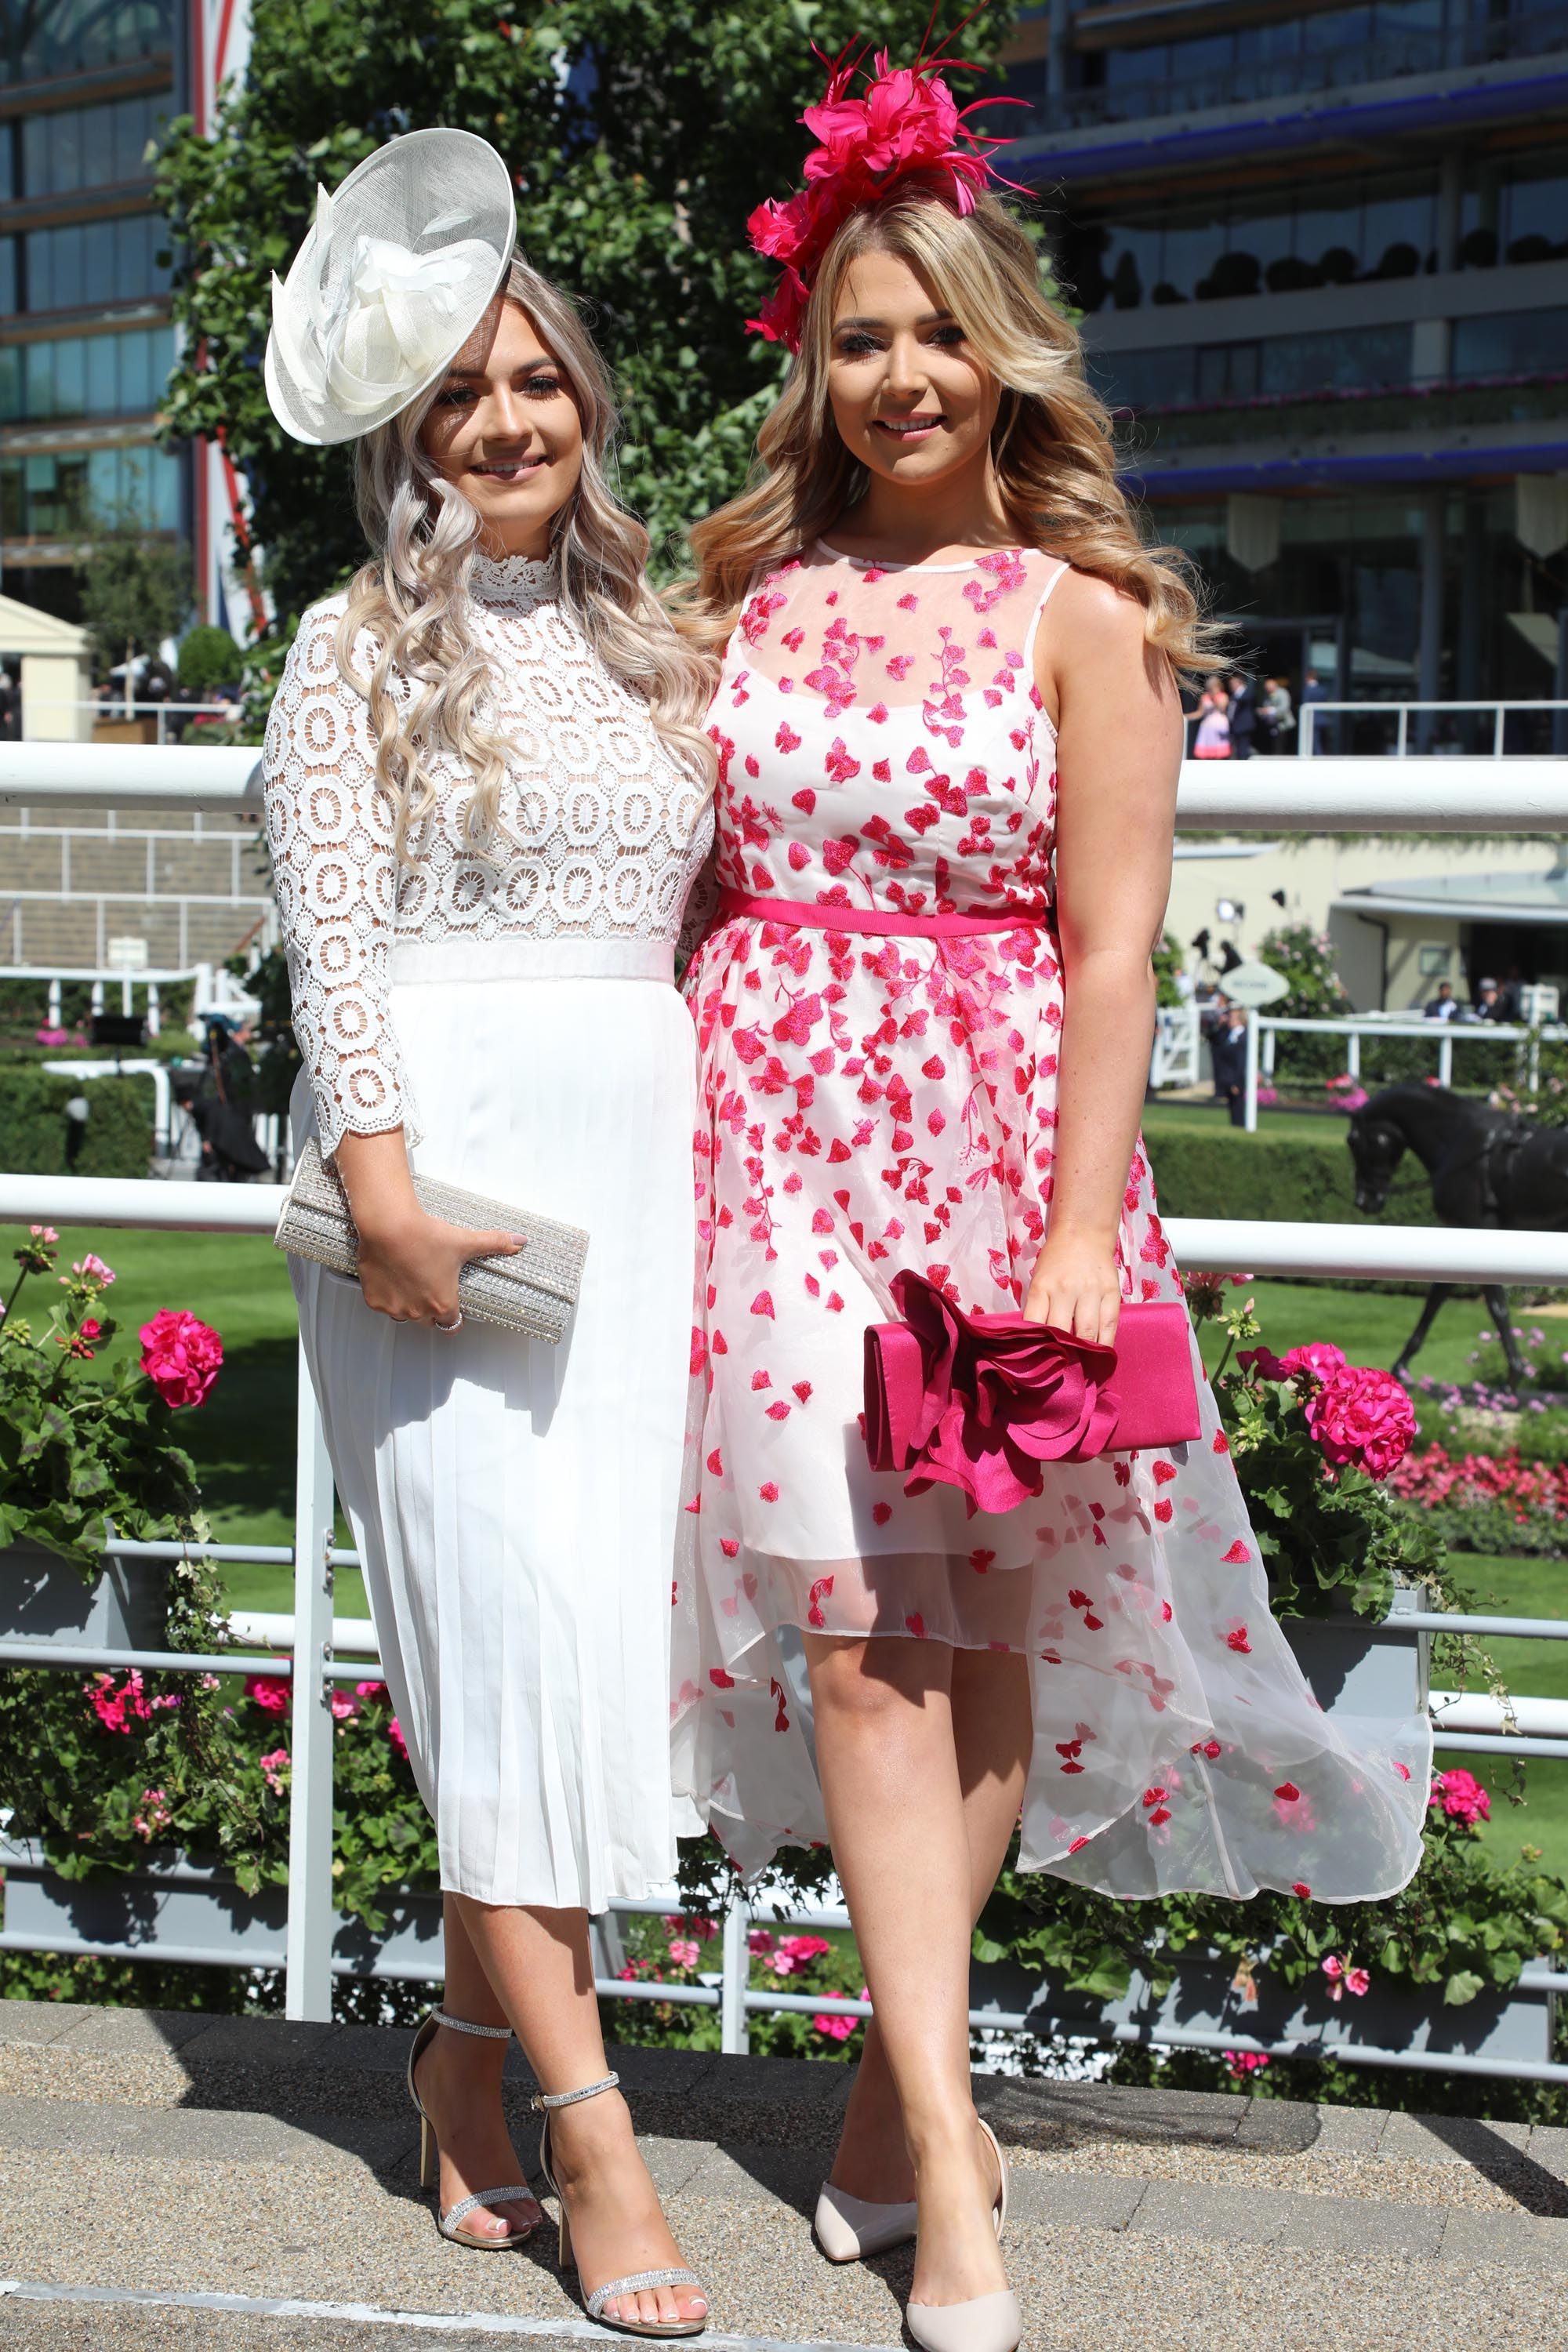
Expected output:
(948, 771)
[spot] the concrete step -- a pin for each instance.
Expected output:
(176, 2180)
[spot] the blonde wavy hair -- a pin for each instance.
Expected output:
(1052, 445)
(410, 597)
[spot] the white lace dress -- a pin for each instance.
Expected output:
(514, 1503)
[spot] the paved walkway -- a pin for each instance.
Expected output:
(177, 2182)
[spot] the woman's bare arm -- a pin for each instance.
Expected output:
(1118, 759)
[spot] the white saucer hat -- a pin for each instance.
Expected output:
(401, 265)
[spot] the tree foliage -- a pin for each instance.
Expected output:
(135, 591)
(641, 137)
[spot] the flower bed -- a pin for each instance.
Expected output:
(1488, 1502)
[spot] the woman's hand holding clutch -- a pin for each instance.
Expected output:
(409, 1262)
(1075, 1288)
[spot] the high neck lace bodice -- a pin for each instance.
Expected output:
(514, 584)
(585, 875)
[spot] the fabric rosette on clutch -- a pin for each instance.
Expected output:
(983, 1401)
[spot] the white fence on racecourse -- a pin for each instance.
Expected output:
(1312, 715)
(1331, 794)
(1263, 1030)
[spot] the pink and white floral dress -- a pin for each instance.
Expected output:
(870, 1103)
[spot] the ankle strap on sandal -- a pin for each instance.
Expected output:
(543, 2100)
(462, 2025)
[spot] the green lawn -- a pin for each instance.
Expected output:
(1162, 1118)
(1522, 1587)
(1371, 1325)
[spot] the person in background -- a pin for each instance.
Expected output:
(1243, 716)
(1313, 690)
(1276, 718)
(1490, 1005)
(1445, 1005)
(1227, 1050)
(1210, 737)
(10, 708)
(224, 1110)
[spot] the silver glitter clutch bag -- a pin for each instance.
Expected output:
(533, 1292)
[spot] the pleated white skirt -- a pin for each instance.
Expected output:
(514, 1503)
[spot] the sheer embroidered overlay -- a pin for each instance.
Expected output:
(871, 1103)
(602, 833)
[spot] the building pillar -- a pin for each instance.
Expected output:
(1429, 656)
(1467, 687)
(1056, 53)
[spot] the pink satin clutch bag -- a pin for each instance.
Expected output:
(983, 1401)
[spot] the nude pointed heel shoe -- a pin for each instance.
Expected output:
(848, 2228)
(449, 2222)
(984, 2322)
(594, 2304)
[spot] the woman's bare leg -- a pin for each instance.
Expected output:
(992, 1736)
(539, 1963)
(458, 2078)
(886, 1747)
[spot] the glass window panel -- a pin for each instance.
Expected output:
(101, 376)
(10, 382)
(70, 256)
(70, 377)
(165, 469)
(103, 277)
(1195, 237)
(1125, 68)
(8, 160)
(40, 277)
(1208, 53)
(1337, 29)
(98, 158)
(1519, 343)
(1329, 220)
(1535, 206)
(103, 484)
(161, 352)
(38, 362)
(34, 155)
(8, 273)
(1399, 218)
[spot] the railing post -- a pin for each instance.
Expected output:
(1304, 731)
(309, 1991)
(1251, 1089)
(1446, 1060)
(1404, 730)
(1270, 1043)
(1497, 726)
(734, 2024)
(1352, 1053)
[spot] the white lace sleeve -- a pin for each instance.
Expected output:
(329, 827)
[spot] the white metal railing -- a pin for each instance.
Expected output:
(1175, 1058)
(118, 708)
(212, 987)
(1312, 713)
(1329, 794)
(1263, 1030)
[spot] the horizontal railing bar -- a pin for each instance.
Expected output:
(258, 1554)
(1543, 1980)
(1482, 1032)
(1330, 792)
(1521, 1744)
(1523, 1629)
(147, 1662)
(1255, 1245)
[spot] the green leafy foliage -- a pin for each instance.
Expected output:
(1227, 1173)
(37, 1137)
(135, 591)
(208, 658)
(82, 1450)
(641, 137)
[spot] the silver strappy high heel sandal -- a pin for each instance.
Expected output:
(594, 2304)
(430, 2153)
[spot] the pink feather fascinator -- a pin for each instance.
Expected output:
(902, 124)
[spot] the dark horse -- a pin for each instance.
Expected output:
(1486, 1168)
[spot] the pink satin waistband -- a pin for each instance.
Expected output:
(893, 923)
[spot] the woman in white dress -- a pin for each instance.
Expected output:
(487, 794)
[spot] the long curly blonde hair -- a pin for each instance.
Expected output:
(1052, 445)
(410, 599)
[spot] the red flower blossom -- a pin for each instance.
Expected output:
(181, 1355)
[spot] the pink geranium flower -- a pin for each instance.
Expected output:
(154, 1815)
(838, 2029)
(273, 1766)
(1461, 1796)
(343, 1706)
(758, 1942)
(684, 1952)
(270, 1693)
(394, 1733)
(181, 1355)
(1361, 1416)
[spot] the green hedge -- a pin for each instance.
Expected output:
(1291, 1178)
(36, 1139)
